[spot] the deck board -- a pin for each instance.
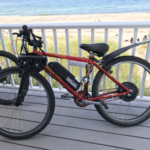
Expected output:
(74, 128)
(12, 146)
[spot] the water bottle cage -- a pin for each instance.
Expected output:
(32, 63)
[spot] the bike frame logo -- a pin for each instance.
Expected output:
(71, 82)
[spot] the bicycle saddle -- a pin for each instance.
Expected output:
(99, 48)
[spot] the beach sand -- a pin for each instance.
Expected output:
(76, 18)
(127, 33)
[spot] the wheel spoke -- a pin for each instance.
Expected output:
(127, 109)
(26, 118)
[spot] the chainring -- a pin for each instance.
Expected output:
(80, 103)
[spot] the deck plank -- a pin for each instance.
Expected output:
(74, 128)
(12, 146)
(55, 143)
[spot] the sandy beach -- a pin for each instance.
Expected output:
(76, 18)
(127, 33)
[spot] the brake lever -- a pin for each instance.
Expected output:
(38, 37)
(18, 35)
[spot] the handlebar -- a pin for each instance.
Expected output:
(37, 42)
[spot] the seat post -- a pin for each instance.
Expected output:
(91, 56)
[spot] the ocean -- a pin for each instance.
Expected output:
(71, 7)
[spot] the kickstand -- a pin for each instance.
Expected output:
(105, 105)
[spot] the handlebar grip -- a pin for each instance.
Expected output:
(26, 31)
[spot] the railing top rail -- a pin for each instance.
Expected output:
(80, 25)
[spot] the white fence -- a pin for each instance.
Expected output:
(79, 27)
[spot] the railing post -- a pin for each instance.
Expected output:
(133, 54)
(80, 51)
(68, 47)
(92, 42)
(4, 47)
(106, 41)
(13, 44)
(56, 49)
(119, 46)
(46, 50)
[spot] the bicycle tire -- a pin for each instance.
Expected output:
(124, 116)
(36, 112)
(9, 55)
(13, 59)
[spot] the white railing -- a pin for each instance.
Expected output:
(79, 27)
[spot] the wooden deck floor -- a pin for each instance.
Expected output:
(74, 128)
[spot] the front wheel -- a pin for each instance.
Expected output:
(35, 112)
(131, 109)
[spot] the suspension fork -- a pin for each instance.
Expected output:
(23, 86)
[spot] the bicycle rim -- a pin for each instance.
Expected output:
(6, 60)
(28, 117)
(126, 110)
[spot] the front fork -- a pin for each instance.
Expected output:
(23, 87)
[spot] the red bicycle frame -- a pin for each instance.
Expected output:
(86, 60)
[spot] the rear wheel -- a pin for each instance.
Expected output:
(130, 109)
(36, 111)
(6, 60)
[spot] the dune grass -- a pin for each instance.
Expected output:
(75, 52)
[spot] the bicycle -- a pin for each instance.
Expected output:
(29, 112)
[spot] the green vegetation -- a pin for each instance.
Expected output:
(123, 71)
(144, 46)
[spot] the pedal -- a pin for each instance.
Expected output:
(106, 107)
(67, 96)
